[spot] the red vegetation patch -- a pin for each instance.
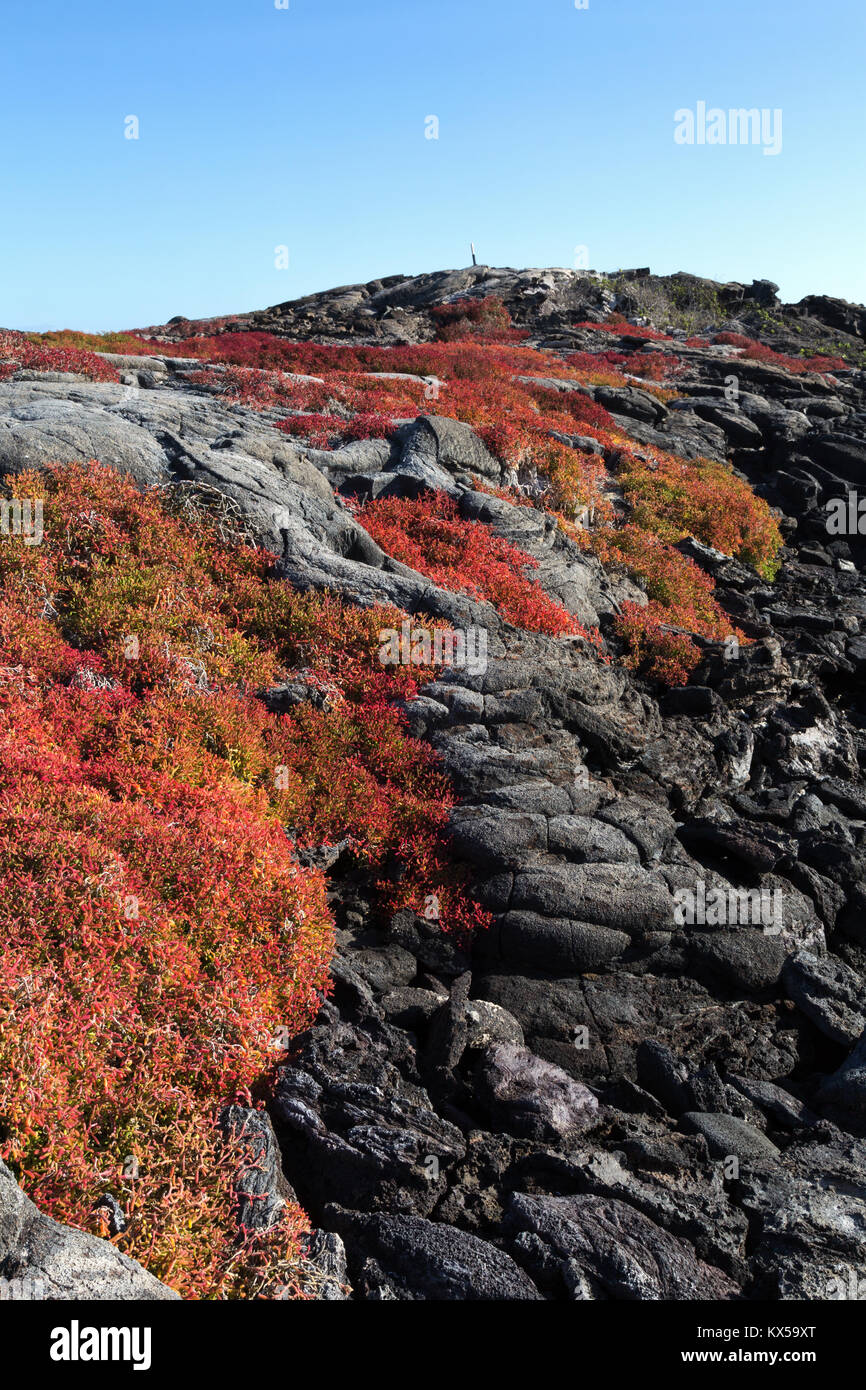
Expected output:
(582, 409)
(484, 320)
(465, 557)
(17, 352)
(673, 498)
(321, 431)
(158, 929)
(759, 352)
(680, 595)
(182, 327)
(652, 366)
(654, 649)
(324, 431)
(824, 364)
(618, 323)
(736, 340)
(594, 368)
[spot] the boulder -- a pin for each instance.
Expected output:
(533, 1098)
(51, 1261)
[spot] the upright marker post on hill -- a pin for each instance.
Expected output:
(472, 249)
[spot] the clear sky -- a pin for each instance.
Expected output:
(304, 127)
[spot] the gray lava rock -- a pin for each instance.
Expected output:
(385, 967)
(624, 897)
(416, 1259)
(495, 838)
(601, 1248)
(662, 1074)
(727, 1136)
(527, 940)
(531, 1097)
(847, 1086)
(411, 1008)
(830, 993)
(585, 840)
(746, 958)
(326, 1259)
(776, 1102)
(489, 1024)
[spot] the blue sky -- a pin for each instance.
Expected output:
(305, 127)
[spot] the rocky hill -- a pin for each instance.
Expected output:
(643, 1075)
(547, 303)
